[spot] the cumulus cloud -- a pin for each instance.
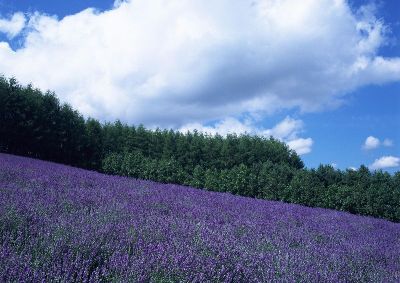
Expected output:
(371, 143)
(170, 63)
(385, 162)
(287, 131)
(388, 142)
(12, 26)
(300, 145)
(289, 128)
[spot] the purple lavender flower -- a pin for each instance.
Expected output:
(63, 224)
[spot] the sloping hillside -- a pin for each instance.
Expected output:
(35, 124)
(59, 223)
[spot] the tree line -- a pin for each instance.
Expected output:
(36, 124)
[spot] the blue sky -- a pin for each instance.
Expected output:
(322, 76)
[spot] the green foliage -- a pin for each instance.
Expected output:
(273, 181)
(197, 178)
(305, 188)
(112, 164)
(211, 180)
(36, 124)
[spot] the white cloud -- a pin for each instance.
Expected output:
(287, 131)
(388, 142)
(12, 26)
(170, 63)
(371, 142)
(301, 146)
(352, 168)
(385, 162)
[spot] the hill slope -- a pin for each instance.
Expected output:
(35, 124)
(68, 224)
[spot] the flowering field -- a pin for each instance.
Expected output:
(63, 224)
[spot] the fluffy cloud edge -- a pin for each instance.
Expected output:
(286, 131)
(385, 162)
(300, 145)
(372, 142)
(388, 142)
(14, 25)
(161, 63)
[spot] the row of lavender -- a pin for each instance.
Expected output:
(63, 224)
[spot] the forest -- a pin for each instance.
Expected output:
(34, 123)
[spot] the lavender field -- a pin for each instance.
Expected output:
(63, 224)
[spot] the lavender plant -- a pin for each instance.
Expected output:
(63, 224)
